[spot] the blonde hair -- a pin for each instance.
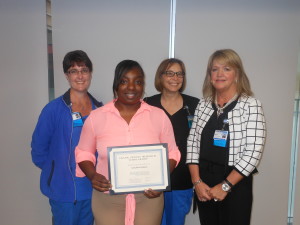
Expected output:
(230, 58)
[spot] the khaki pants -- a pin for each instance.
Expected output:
(110, 209)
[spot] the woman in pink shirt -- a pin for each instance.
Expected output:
(127, 120)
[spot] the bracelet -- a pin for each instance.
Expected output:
(197, 182)
(227, 182)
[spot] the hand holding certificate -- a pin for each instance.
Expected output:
(138, 167)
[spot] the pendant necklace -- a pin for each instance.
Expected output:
(220, 110)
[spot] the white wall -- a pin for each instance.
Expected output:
(266, 34)
(24, 91)
(297, 174)
(110, 31)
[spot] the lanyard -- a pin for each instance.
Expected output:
(190, 117)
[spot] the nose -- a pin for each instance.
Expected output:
(220, 73)
(131, 85)
(175, 77)
(79, 75)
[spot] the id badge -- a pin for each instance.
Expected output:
(190, 119)
(77, 120)
(220, 138)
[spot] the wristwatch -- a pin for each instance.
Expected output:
(226, 186)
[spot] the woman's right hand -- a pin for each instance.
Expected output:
(100, 183)
(201, 188)
(202, 191)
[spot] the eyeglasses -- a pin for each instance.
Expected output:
(169, 73)
(84, 71)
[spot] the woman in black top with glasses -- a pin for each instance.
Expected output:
(170, 81)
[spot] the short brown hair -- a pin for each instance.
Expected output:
(165, 65)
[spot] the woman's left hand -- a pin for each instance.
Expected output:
(217, 193)
(149, 193)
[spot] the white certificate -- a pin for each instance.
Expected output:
(136, 168)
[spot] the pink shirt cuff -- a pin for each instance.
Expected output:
(83, 156)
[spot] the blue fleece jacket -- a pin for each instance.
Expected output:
(52, 150)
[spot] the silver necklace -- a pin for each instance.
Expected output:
(220, 110)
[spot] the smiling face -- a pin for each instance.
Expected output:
(223, 78)
(79, 77)
(131, 88)
(172, 84)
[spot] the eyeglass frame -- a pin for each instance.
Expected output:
(75, 72)
(178, 74)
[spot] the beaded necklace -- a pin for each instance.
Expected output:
(220, 110)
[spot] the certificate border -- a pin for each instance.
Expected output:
(166, 172)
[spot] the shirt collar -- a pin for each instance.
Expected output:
(110, 106)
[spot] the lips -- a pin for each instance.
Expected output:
(130, 95)
(220, 80)
(174, 83)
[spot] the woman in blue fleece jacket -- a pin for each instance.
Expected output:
(54, 139)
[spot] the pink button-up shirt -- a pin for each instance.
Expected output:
(105, 128)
